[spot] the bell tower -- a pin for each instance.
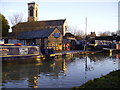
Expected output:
(32, 11)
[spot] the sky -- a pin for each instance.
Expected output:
(102, 15)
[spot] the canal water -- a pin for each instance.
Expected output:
(61, 72)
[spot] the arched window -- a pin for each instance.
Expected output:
(31, 11)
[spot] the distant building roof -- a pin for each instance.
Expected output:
(117, 38)
(35, 34)
(69, 36)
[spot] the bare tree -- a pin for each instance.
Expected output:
(16, 18)
(78, 33)
(72, 29)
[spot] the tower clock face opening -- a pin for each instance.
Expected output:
(32, 11)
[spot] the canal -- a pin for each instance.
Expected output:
(58, 72)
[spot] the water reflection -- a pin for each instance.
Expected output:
(57, 72)
(52, 68)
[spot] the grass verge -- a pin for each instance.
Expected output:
(110, 80)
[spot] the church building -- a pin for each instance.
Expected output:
(34, 24)
(44, 33)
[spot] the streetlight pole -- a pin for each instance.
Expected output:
(85, 34)
(85, 49)
(86, 26)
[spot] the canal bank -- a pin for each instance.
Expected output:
(13, 52)
(110, 80)
(56, 54)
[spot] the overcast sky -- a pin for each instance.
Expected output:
(101, 15)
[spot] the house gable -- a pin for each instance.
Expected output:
(56, 42)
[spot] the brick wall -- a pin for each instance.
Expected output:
(55, 42)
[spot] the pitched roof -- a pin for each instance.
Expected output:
(43, 23)
(53, 22)
(36, 34)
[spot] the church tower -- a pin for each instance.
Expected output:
(32, 11)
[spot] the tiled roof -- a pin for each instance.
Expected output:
(43, 23)
(36, 34)
(117, 38)
(53, 22)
